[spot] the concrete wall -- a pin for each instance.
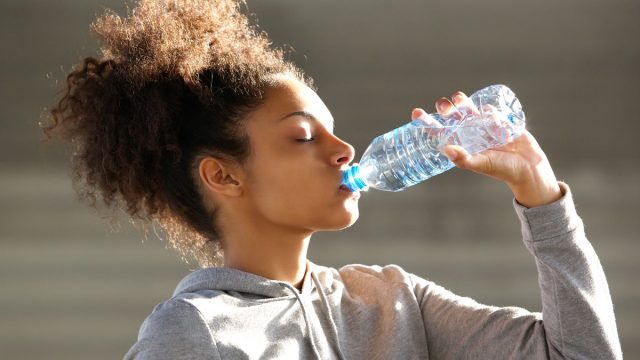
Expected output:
(74, 286)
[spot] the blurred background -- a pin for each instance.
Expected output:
(74, 285)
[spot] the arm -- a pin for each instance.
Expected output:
(174, 330)
(576, 304)
(577, 310)
(577, 320)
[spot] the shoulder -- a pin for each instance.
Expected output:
(388, 273)
(174, 313)
(367, 276)
(175, 329)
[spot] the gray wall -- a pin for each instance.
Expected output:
(75, 286)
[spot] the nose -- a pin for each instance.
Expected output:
(343, 153)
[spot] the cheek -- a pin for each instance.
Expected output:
(299, 193)
(278, 189)
(306, 206)
(285, 194)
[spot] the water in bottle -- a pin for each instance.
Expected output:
(412, 153)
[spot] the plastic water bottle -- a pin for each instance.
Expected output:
(412, 153)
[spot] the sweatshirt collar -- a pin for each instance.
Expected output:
(227, 279)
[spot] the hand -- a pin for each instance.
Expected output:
(521, 163)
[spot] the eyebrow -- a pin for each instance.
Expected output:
(306, 115)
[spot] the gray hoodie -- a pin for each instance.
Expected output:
(372, 312)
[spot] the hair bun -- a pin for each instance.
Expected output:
(180, 38)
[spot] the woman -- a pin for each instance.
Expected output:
(190, 120)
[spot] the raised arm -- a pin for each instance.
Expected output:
(577, 319)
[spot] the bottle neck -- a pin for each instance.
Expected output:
(353, 180)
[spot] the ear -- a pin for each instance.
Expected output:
(220, 176)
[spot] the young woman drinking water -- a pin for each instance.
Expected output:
(190, 120)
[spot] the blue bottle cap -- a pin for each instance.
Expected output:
(352, 180)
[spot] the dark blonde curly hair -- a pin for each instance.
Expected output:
(173, 83)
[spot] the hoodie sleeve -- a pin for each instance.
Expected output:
(174, 330)
(577, 320)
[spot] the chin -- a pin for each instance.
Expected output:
(344, 219)
(348, 224)
(352, 212)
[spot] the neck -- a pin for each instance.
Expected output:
(266, 250)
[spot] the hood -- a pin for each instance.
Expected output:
(232, 280)
(242, 284)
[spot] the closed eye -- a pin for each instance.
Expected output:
(305, 140)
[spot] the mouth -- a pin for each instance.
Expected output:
(344, 191)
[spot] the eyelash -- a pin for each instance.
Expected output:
(305, 140)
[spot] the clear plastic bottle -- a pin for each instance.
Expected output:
(412, 153)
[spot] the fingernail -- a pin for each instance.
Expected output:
(452, 155)
(443, 104)
(415, 112)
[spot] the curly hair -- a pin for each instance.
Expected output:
(173, 83)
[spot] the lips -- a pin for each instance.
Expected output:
(344, 191)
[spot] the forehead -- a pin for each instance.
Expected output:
(289, 95)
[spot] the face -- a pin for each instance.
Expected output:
(295, 167)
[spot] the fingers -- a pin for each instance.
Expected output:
(460, 108)
(419, 114)
(464, 104)
(446, 109)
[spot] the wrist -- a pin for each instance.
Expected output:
(535, 194)
(538, 188)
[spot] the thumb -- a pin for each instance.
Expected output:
(462, 159)
(455, 153)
